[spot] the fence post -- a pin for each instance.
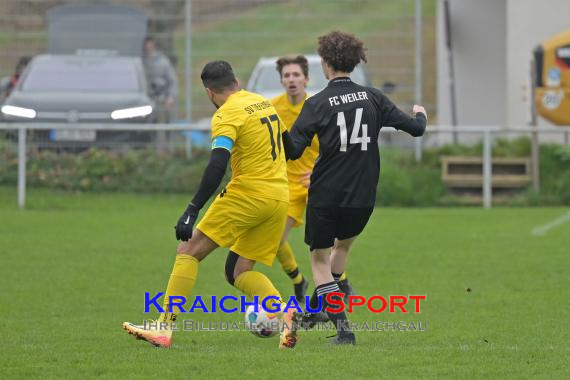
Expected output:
(22, 167)
(188, 59)
(487, 169)
(535, 143)
(188, 145)
(535, 156)
(418, 74)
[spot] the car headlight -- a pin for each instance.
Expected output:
(128, 113)
(27, 113)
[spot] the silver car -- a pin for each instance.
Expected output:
(265, 79)
(81, 88)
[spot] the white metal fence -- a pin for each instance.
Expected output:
(488, 134)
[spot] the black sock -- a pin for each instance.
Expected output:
(314, 301)
(339, 320)
(336, 276)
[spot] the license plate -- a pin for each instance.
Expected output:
(72, 135)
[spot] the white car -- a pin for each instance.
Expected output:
(265, 79)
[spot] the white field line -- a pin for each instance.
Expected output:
(542, 230)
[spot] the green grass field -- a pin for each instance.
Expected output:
(74, 267)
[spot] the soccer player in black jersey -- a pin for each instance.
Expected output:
(347, 119)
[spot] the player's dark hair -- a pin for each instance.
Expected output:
(218, 76)
(341, 50)
(300, 60)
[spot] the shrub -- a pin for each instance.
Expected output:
(403, 182)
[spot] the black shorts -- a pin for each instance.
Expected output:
(326, 224)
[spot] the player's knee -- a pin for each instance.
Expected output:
(187, 248)
(240, 270)
(231, 262)
(320, 261)
(184, 248)
(344, 245)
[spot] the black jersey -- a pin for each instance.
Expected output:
(347, 119)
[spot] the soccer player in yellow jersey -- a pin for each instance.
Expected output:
(294, 73)
(248, 216)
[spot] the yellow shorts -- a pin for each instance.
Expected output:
(251, 227)
(297, 203)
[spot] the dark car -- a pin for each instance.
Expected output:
(84, 88)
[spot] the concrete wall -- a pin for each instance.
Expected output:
(479, 42)
(493, 42)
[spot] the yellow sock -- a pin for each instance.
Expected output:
(254, 283)
(288, 263)
(181, 282)
(342, 276)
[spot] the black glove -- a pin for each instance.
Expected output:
(186, 223)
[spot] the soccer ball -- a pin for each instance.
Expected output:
(260, 323)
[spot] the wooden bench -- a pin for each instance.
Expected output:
(462, 172)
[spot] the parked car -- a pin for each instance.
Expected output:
(85, 88)
(265, 80)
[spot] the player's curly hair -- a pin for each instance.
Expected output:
(300, 60)
(341, 50)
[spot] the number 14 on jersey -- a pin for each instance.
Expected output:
(354, 136)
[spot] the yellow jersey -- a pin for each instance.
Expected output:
(289, 113)
(257, 156)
